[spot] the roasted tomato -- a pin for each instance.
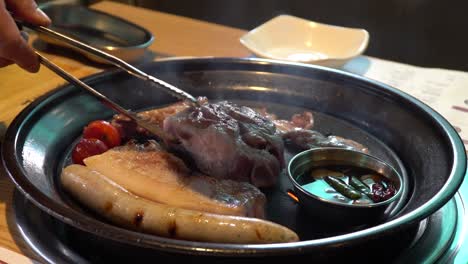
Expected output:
(87, 147)
(103, 131)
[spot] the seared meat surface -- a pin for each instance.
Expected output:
(230, 142)
(304, 120)
(298, 134)
(129, 129)
(303, 139)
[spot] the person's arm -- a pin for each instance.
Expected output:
(13, 48)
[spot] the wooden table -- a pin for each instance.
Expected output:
(174, 36)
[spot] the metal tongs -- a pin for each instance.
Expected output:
(152, 128)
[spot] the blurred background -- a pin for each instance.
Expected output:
(429, 33)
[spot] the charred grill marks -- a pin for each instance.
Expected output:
(138, 219)
(172, 228)
(108, 206)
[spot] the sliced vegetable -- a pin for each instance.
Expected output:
(360, 186)
(104, 131)
(87, 147)
(342, 187)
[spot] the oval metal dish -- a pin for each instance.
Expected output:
(103, 31)
(39, 139)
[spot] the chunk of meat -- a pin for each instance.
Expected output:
(129, 129)
(150, 172)
(306, 139)
(304, 120)
(296, 132)
(230, 142)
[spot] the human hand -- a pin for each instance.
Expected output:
(13, 48)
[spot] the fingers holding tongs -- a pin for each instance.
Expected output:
(154, 129)
(178, 93)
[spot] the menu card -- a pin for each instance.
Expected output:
(446, 91)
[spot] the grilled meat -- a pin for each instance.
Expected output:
(230, 142)
(150, 172)
(303, 139)
(304, 120)
(227, 141)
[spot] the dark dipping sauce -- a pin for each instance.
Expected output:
(347, 184)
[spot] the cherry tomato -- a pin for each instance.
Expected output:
(87, 147)
(103, 131)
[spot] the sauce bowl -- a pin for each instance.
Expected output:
(339, 213)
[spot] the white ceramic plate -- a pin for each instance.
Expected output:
(295, 39)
